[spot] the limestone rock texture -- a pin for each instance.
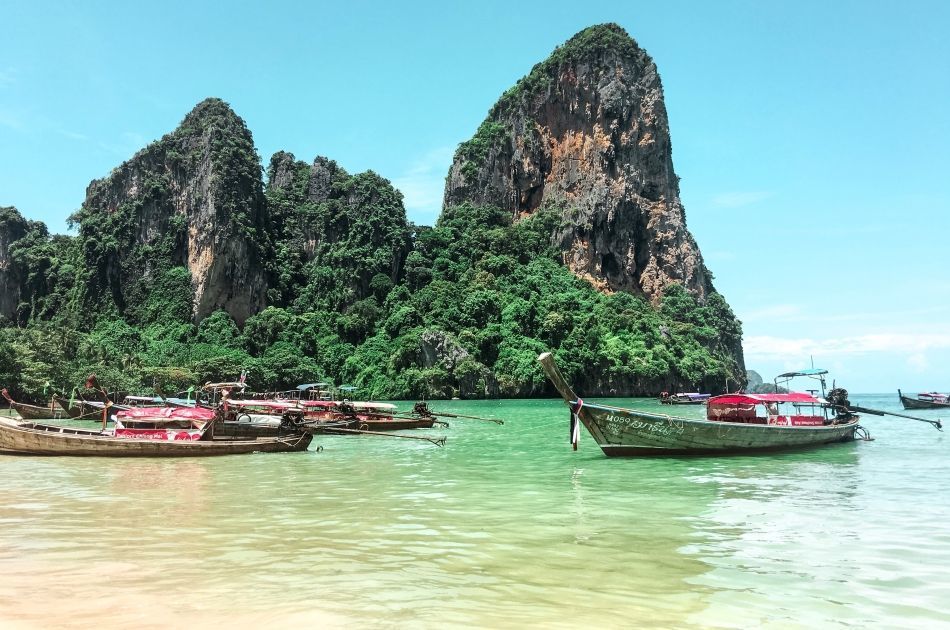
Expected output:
(338, 237)
(12, 228)
(586, 133)
(193, 199)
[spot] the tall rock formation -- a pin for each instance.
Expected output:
(35, 269)
(338, 238)
(12, 228)
(586, 133)
(188, 208)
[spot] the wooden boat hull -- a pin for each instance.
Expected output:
(625, 432)
(246, 430)
(36, 439)
(363, 424)
(35, 412)
(914, 403)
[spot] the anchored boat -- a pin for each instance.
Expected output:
(151, 432)
(33, 412)
(732, 424)
(929, 400)
(683, 398)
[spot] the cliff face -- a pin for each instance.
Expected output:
(338, 238)
(12, 228)
(192, 200)
(586, 132)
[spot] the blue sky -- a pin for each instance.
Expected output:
(812, 138)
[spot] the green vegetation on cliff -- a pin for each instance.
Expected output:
(477, 299)
(588, 44)
(159, 284)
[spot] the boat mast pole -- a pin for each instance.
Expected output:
(553, 373)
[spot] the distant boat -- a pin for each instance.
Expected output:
(929, 400)
(731, 425)
(33, 412)
(683, 398)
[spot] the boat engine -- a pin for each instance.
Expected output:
(421, 408)
(838, 399)
(290, 421)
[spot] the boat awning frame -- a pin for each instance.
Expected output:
(759, 399)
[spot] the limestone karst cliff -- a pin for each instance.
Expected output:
(12, 228)
(562, 230)
(337, 238)
(34, 268)
(187, 208)
(586, 132)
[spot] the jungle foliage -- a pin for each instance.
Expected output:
(475, 300)
(356, 294)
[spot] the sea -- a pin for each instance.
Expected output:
(504, 527)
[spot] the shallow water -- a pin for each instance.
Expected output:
(502, 528)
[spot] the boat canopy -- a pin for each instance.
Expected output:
(166, 413)
(358, 405)
(264, 404)
(808, 372)
(755, 399)
(307, 386)
(235, 385)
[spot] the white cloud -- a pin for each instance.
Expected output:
(789, 312)
(738, 199)
(779, 348)
(423, 184)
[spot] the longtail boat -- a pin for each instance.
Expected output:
(731, 425)
(40, 439)
(33, 412)
(370, 416)
(682, 398)
(929, 400)
(257, 418)
(145, 432)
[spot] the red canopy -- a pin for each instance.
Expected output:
(755, 399)
(177, 413)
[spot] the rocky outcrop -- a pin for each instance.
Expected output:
(193, 199)
(342, 237)
(438, 349)
(12, 228)
(586, 134)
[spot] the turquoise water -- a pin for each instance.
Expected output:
(502, 528)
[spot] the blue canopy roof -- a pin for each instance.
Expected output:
(808, 372)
